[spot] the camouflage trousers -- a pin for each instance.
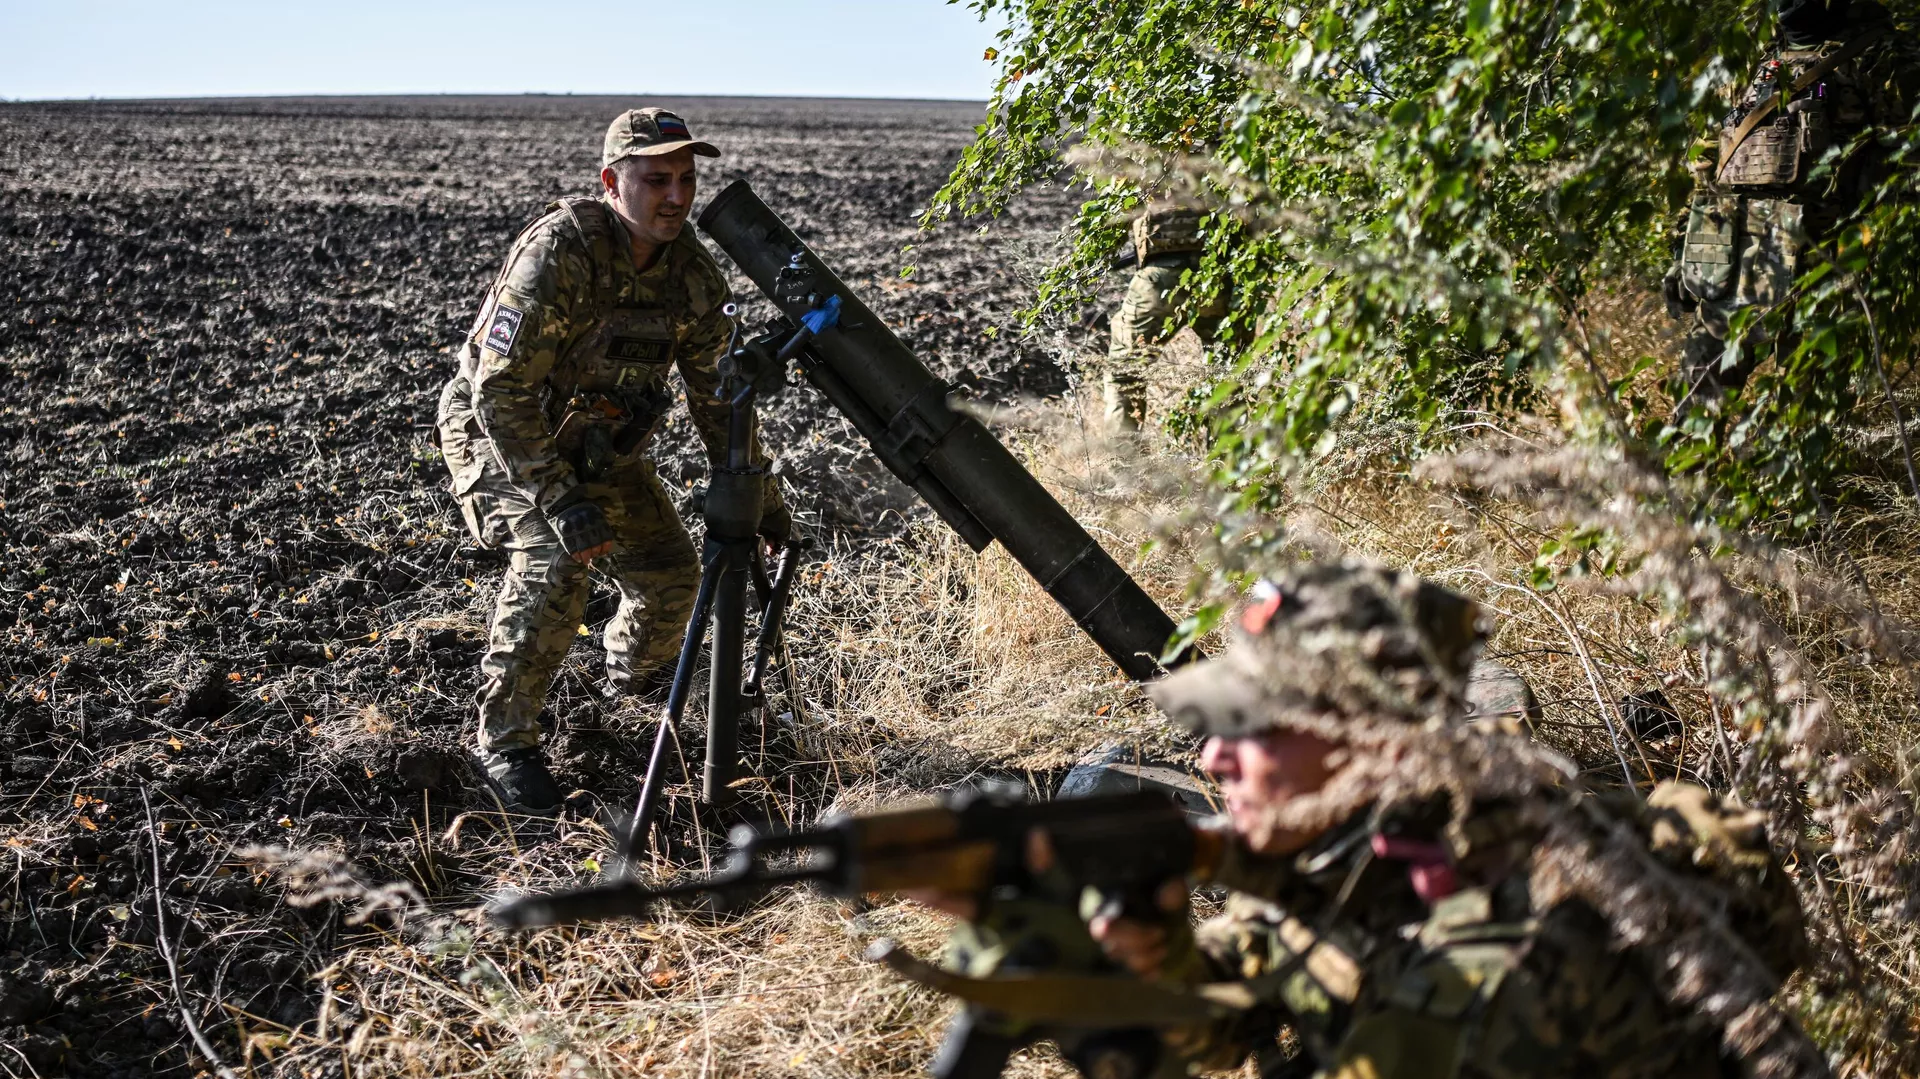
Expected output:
(1739, 253)
(1135, 334)
(544, 597)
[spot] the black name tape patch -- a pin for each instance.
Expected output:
(504, 328)
(640, 350)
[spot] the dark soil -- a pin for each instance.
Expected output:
(232, 580)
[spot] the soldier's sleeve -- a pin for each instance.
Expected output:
(701, 342)
(531, 322)
(1216, 951)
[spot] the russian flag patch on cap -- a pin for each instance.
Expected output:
(672, 125)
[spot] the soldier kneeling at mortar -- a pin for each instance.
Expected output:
(1414, 895)
(545, 429)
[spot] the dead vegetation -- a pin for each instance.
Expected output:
(916, 666)
(942, 666)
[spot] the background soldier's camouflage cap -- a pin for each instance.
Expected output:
(1337, 639)
(643, 132)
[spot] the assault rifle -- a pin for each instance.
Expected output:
(975, 843)
(1053, 983)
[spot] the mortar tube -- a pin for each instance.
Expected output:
(922, 431)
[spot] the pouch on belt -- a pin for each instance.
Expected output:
(1708, 260)
(598, 431)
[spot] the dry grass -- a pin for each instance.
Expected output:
(922, 665)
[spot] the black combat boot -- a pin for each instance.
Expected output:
(519, 776)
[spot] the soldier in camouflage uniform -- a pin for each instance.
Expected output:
(1760, 207)
(1166, 244)
(545, 429)
(1387, 929)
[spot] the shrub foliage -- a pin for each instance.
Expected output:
(1415, 207)
(1415, 202)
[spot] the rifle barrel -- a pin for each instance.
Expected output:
(629, 899)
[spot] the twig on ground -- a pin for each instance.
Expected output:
(166, 946)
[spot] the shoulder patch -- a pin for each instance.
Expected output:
(503, 328)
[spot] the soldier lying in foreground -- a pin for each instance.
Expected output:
(1413, 896)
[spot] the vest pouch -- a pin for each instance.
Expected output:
(1167, 230)
(645, 409)
(1771, 154)
(1708, 259)
(1816, 131)
(585, 439)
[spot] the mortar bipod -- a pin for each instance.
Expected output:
(730, 557)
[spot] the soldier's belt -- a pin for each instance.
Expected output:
(1175, 258)
(597, 429)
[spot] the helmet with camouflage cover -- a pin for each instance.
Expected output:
(1345, 639)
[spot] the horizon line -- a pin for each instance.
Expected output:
(4, 100)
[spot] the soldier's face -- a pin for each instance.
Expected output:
(1261, 773)
(652, 194)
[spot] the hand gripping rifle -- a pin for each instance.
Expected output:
(1051, 981)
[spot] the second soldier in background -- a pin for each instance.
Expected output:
(545, 426)
(1768, 199)
(1166, 244)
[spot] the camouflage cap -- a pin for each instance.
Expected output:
(644, 132)
(1335, 639)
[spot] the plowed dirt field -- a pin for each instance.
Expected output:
(232, 585)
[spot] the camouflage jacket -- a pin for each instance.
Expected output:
(572, 345)
(1368, 977)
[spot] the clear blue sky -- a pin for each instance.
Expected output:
(197, 48)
